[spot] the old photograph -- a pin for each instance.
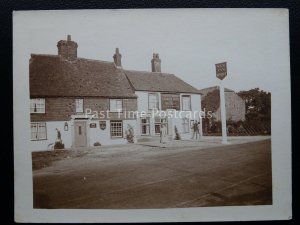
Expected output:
(152, 109)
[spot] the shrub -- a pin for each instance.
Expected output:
(97, 144)
(129, 134)
(59, 145)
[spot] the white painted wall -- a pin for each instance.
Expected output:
(142, 103)
(66, 136)
(103, 136)
(93, 134)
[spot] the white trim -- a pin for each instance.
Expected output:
(117, 109)
(37, 106)
(79, 105)
(38, 126)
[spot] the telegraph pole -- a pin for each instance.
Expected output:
(221, 73)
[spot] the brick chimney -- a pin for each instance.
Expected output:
(156, 63)
(67, 49)
(117, 58)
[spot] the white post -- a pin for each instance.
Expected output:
(223, 114)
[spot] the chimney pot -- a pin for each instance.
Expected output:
(156, 63)
(67, 49)
(117, 58)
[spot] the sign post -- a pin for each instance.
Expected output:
(221, 72)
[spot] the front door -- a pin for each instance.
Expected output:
(80, 134)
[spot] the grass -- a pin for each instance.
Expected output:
(44, 159)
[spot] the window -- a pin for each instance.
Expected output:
(145, 126)
(79, 105)
(38, 131)
(37, 105)
(185, 125)
(153, 101)
(186, 102)
(116, 129)
(115, 105)
(158, 121)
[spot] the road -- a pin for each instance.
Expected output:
(154, 177)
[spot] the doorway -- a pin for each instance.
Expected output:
(80, 135)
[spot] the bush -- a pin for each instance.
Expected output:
(129, 134)
(59, 145)
(97, 144)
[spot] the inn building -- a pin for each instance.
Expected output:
(64, 86)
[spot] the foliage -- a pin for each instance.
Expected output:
(258, 114)
(59, 145)
(211, 102)
(97, 143)
(129, 134)
(258, 107)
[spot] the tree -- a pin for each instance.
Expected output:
(258, 106)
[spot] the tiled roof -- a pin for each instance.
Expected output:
(205, 91)
(211, 98)
(160, 82)
(50, 75)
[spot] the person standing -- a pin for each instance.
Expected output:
(199, 129)
(195, 129)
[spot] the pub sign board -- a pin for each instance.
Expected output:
(102, 125)
(221, 70)
(93, 125)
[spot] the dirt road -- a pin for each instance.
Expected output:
(154, 177)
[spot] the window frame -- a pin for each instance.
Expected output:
(76, 105)
(35, 101)
(157, 99)
(147, 124)
(162, 121)
(38, 138)
(157, 122)
(116, 121)
(190, 102)
(115, 99)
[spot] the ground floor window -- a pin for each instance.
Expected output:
(158, 121)
(116, 129)
(38, 131)
(185, 125)
(145, 126)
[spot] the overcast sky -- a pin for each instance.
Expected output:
(189, 42)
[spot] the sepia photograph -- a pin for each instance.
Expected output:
(142, 110)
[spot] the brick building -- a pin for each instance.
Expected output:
(234, 104)
(64, 87)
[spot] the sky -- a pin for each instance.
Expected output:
(253, 42)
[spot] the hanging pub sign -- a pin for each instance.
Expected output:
(221, 70)
(93, 125)
(102, 125)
